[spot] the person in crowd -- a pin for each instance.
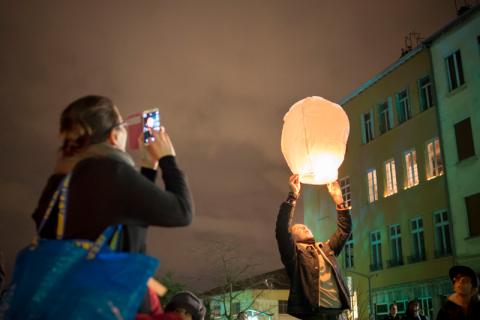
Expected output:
(317, 288)
(393, 315)
(105, 188)
(413, 311)
(463, 304)
(187, 305)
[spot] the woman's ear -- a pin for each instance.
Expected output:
(113, 137)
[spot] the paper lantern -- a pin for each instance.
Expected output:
(314, 139)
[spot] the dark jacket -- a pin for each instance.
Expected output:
(452, 311)
(420, 317)
(301, 263)
(390, 317)
(104, 191)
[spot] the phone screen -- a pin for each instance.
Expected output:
(151, 122)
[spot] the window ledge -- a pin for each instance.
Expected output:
(411, 187)
(435, 177)
(467, 161)
(456, 90)
(473, 237)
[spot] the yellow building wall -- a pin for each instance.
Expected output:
(419, 201)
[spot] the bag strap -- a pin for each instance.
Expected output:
(111, 235)
(112, 232)
(60, 193)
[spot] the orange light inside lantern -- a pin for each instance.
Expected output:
(321, 168)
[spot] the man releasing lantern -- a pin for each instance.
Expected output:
(314, 138)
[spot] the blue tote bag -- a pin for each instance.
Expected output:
(75, 279)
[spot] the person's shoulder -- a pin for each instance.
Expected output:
(100, 166)
(100, 162)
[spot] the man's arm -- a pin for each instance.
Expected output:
(344, 228)
(285, 242)
(344, 221)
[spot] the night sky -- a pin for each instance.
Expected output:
(223, 74)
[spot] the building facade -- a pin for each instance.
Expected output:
(455, 52)
(411, 175)
(262, 297)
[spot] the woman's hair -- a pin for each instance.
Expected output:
(87, 121)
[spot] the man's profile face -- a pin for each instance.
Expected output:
(462, 284)
(414, 309)
(300, 232)
(393, 309)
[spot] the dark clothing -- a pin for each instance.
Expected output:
(104, 191)
(390, 317)
(302, 266)
(452, 311)
(420, 317)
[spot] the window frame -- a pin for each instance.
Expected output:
(385, 116)
(368, 126)
(373, 188)
(346, 190)
(404, 106)
(434, 166)
(425, 93)
(348, 256)
(458, 79)
(443, 241)
(376, 246)
(390, 179)
(396, 249)
(417, 233)
(411, 169)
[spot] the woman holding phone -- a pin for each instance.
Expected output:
(105, 189)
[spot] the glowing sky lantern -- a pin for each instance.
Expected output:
(314, 139)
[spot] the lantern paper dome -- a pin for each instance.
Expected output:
(314, 138)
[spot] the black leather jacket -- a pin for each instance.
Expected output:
(301, 263)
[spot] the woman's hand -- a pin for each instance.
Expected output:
(161, 146)
(335, 192)
(294, 184)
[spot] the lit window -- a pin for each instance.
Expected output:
(372, 185)
(425, 92)
(403, 106)
(367, 127)
(346, 192)
(442, 234)
(390, 178)
(454, 70)
(434, 159)
(411, 170)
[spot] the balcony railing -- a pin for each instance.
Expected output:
(376, 266)
(395, 262)
(416, 258)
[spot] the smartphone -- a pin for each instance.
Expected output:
(151, 122)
